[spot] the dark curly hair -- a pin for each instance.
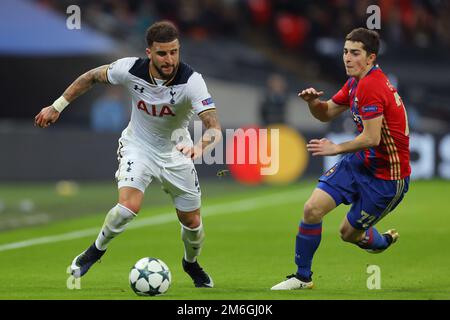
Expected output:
(162, 31)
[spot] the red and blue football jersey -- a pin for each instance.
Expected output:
(374, 96)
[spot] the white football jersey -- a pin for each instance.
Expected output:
(158, 109)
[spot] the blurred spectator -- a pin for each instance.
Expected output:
(260, 10)
(108, 113)
(421, 23)
(273, 106)
(292, 30)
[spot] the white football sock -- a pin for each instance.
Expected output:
(193, 241)
(115, 223)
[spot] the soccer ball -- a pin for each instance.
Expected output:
(150, 277)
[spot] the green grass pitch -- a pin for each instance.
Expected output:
(250, 235)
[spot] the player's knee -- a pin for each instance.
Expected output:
(131, 205)
(131, 198)
(191, 220)
(312, 212)
(192, 224)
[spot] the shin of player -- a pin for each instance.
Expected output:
(118, 218)
(192, 235)
(115, 223)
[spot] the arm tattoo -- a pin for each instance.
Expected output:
(84, 82)
(209, 119)
(213, 132)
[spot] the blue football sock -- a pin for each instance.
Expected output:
(373, 240)
(308, 240)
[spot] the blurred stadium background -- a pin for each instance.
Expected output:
(255, 56)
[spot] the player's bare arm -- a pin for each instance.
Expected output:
(210, 138)
(370, 137)
(322, 110)
(213, 133)
(83, 83)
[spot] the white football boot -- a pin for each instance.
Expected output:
(293, 283)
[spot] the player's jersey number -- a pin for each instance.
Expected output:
(366, 219)
(399, 102)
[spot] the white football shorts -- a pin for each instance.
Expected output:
(176, 174)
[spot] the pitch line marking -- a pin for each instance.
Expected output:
(207, 211)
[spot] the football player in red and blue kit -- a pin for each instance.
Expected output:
(373, 175)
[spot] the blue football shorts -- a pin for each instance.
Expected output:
(372, 198)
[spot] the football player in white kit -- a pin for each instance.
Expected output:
(156, 144)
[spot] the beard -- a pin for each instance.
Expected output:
(163, 75)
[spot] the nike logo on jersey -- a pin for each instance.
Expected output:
(153, 110)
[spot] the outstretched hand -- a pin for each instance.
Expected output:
(322, 147)
(310, 94)
(46, 117)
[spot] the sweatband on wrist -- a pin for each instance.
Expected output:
(60, 104)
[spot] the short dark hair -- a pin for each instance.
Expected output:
(369, 38)
(161, 31)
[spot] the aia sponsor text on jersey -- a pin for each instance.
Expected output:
(154, 110)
